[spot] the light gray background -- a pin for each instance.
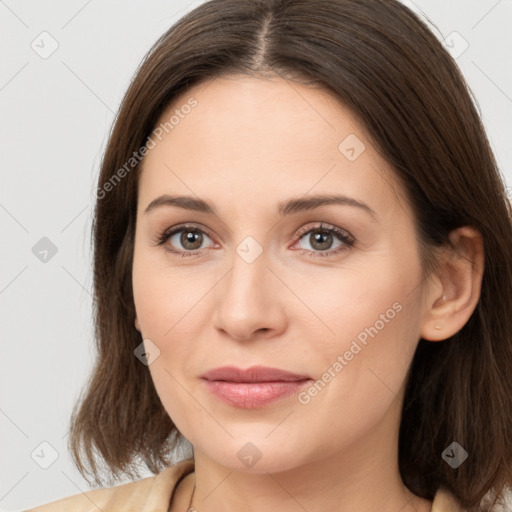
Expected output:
(55, 116)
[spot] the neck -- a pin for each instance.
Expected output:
(370, 481)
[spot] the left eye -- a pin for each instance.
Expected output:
(321, 240)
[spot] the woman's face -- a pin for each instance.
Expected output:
(280, 275)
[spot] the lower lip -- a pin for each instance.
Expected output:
(252, 395)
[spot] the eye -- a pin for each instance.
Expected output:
(322, 238)
(186, 240)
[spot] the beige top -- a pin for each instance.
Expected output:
(154, 494)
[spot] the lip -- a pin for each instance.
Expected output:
(253, 387)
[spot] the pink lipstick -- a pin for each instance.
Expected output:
(254, 387)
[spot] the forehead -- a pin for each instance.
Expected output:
(258, 140)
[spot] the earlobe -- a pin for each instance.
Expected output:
(459, 282)
(137, 325)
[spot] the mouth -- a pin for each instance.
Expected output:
(253, 387)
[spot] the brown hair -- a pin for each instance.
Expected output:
(382, 61)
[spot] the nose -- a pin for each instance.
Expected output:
(250, 301)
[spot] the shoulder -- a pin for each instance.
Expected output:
(150, 494)
(445, 501)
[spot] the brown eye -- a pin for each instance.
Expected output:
(321, 240)
(183, 240)
(191, 239)
(325, 241)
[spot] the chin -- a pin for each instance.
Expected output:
(257, 456)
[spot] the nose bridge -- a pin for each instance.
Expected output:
(247, 300)
(248, 280)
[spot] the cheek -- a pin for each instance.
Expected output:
(370, 324)
(166, 299)
(370, 299)
(360, 374)
(167, 305)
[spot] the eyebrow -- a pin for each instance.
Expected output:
(288, 207)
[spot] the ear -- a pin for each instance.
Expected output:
(137, 325)
(455, 289)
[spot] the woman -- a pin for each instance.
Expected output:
(298, 272)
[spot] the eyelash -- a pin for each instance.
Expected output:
(343, 236)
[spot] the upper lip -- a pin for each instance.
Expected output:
(252, 374)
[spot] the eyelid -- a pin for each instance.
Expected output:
(321, 226)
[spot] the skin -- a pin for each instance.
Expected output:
(248, 145)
